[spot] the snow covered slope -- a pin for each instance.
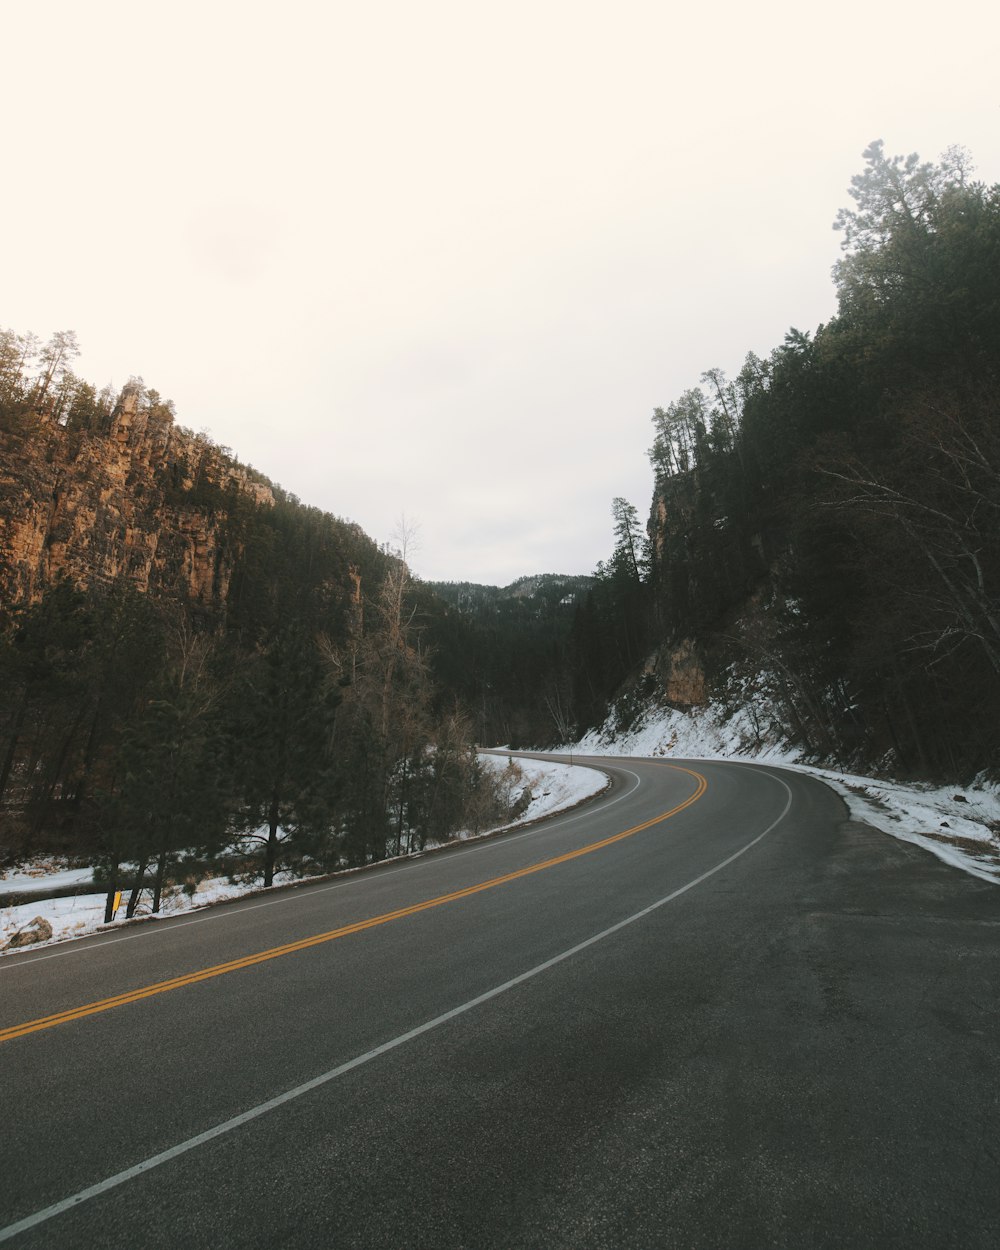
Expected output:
(959, 824)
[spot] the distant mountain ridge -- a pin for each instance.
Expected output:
(538, 593)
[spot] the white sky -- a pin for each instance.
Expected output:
(443, 259)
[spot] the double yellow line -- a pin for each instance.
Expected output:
(276, 952)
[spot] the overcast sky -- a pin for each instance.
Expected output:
(443, 259)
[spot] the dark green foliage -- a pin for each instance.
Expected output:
(169, 801)
(505, 653)
(281, 708)
(848, 485)
(78, 666)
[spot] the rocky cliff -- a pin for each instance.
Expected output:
(679, 673)
(140, 498)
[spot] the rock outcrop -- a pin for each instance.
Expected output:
(680, 674)
(38, 930)
(141, 499)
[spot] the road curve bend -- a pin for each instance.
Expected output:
(704, 1010)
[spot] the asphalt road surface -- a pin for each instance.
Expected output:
(705, 1010)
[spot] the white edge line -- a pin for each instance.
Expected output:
(227, 1126)
(222, 912)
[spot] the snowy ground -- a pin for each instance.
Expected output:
(959, 824)
(554, 787)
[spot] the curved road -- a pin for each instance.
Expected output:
(705, 1010)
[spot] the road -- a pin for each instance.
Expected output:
(705, 1010)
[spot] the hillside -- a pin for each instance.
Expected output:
(196, 668)
(823, 546)
(543, 594)
(505, 652)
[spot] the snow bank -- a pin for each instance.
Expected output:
(554, 787)
(958, 824)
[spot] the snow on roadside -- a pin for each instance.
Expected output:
(958, 824)
(81, 914)
(554, 787)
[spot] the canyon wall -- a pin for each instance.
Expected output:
(141, 499)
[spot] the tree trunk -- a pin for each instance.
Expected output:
(109, 903)
(15, 737)
(48, 794)
(911, 720)
(271, 846)
(88, 755)
(161, 868)
(133, 898)
(402, 803)
(799, 723)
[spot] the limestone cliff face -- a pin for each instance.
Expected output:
(141, 499)
(680, 674)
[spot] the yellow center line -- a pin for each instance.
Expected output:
(276, 952)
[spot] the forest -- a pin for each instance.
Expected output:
(825, 525)
(823, 538)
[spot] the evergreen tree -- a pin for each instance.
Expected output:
(281, 719)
